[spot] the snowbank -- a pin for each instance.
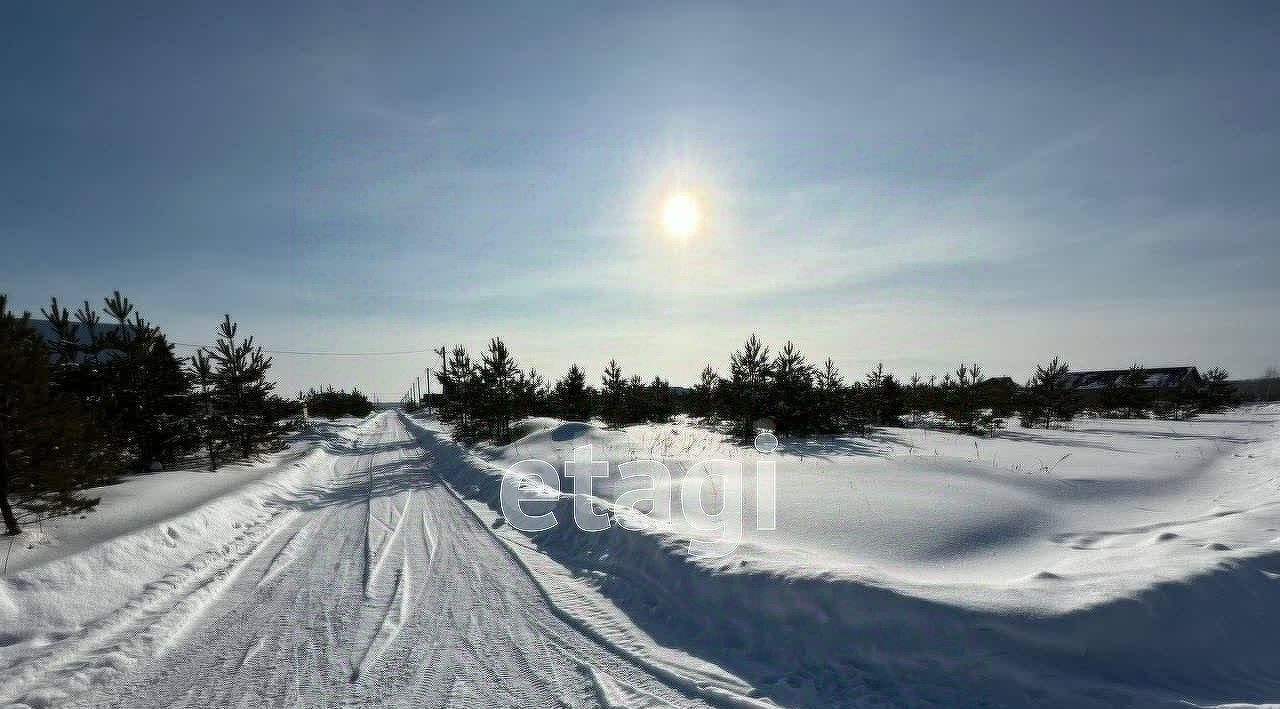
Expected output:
(1149, 607)
(140, 501)
(151, 567)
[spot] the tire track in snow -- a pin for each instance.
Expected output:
(252, 651)
(379, 550)
(148, 623)
(614, 694)
(393, 619)
(673, 677)
(287, 555)
(428, 536)
(457, 624)
(396, 613)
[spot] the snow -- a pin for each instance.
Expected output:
(140, 501)
(981, 520)
(349, 578)
(1112, 562)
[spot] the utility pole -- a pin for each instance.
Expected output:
(444, 375)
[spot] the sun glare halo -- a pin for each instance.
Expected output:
(681, 215)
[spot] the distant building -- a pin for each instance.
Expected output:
(1157, 379)
(1263, 389)
(999, 393)
(50, 335)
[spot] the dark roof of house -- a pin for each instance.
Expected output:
(50, 335)
(46, 330)
(1157, 378)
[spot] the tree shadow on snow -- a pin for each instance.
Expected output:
(827, 447)
(358, 487)
(1074, 442)
(1176, 435)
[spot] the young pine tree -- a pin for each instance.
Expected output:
(702, 400)
(962, 398)
(65, 336)
(637, 400)
(572, 397)
(241, 391)
(48, 449)
(750, 379)
(128, 378)
(613, 395)
(792, 391)
(661, 404)
(201, 373)
(498, 374)
(1131, 396)
(459, 389)
(91, 343)
(829, 399)
(915, 398)
(1048, 397)
(1216, 393)
(161, 404)
(533, 396)
(870, 402)
(892, 401)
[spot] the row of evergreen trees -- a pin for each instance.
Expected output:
(332, 403)
(96, 396)
(626, 400)
(797, 396)
(483, 397)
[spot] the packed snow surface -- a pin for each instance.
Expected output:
(356, 579)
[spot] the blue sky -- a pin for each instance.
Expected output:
(912, 183)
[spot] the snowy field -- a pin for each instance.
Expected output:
(1041, 519)
(1111, 563)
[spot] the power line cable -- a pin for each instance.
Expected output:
(319, 354)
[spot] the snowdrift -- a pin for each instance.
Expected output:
(802, 636)
(169, 568)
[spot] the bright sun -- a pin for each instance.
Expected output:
(681, 215)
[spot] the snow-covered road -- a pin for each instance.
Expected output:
(345, 571)
(378, 589)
